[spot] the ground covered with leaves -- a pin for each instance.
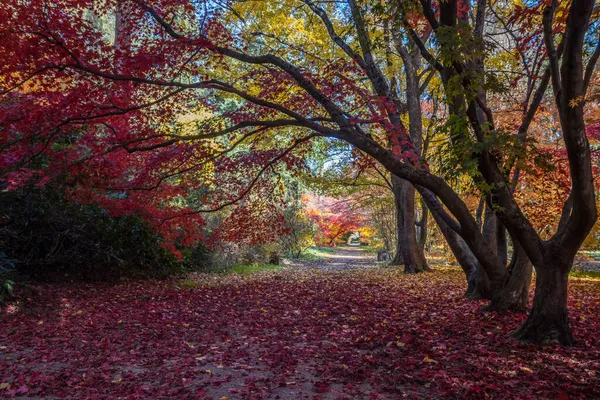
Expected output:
(373, 334)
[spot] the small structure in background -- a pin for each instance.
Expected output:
(354, 239)
(274, 258)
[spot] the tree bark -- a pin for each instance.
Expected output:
(514, 295)
(464, 256)
(399, 207)
(501, 242)
(479, 212)
(412, 253)
(422, 237)
(408, 251)
(547, 322)
(490, 232)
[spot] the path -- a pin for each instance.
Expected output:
(341, 259)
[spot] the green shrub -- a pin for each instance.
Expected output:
(51, 238)
(199, 258)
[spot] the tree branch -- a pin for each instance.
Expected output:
(589, 69)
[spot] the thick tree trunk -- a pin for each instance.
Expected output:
(408, 246)
(400, 239)
(514, 296)
(478, 247)
(490, 233)
(482, 289)
(408, 251)
(547, 322)
(399, 207)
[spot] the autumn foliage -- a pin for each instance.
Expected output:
(334, 219)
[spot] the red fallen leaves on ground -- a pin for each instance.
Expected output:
(324, 335)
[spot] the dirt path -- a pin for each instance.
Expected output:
(341, 259)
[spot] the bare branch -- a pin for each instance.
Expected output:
(549, 40)
(589, 69)
(252, 183)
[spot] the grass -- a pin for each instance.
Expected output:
(316, 253)
(583, 274)
(593, 254)
(370, 249)
(189, 284)
(243, 270)
(252, 269)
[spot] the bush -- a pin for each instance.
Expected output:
(199, 258)
(7, 272)
(51, 238)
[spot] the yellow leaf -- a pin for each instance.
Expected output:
(4, 385)
(575, 102)
(427, 359)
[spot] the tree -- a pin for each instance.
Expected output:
(326, 97)
(334, 219)
(547, 321)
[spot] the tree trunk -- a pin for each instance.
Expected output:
(479, 212)
(408, 246)
(501, 242)
(408, 250)
(490, 233)
(400, 239)
(422, 239)
(478, 247)
(547, 322)
(515, 295)
(464, 256)
(482, 289)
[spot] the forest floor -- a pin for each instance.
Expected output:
(339, 328)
